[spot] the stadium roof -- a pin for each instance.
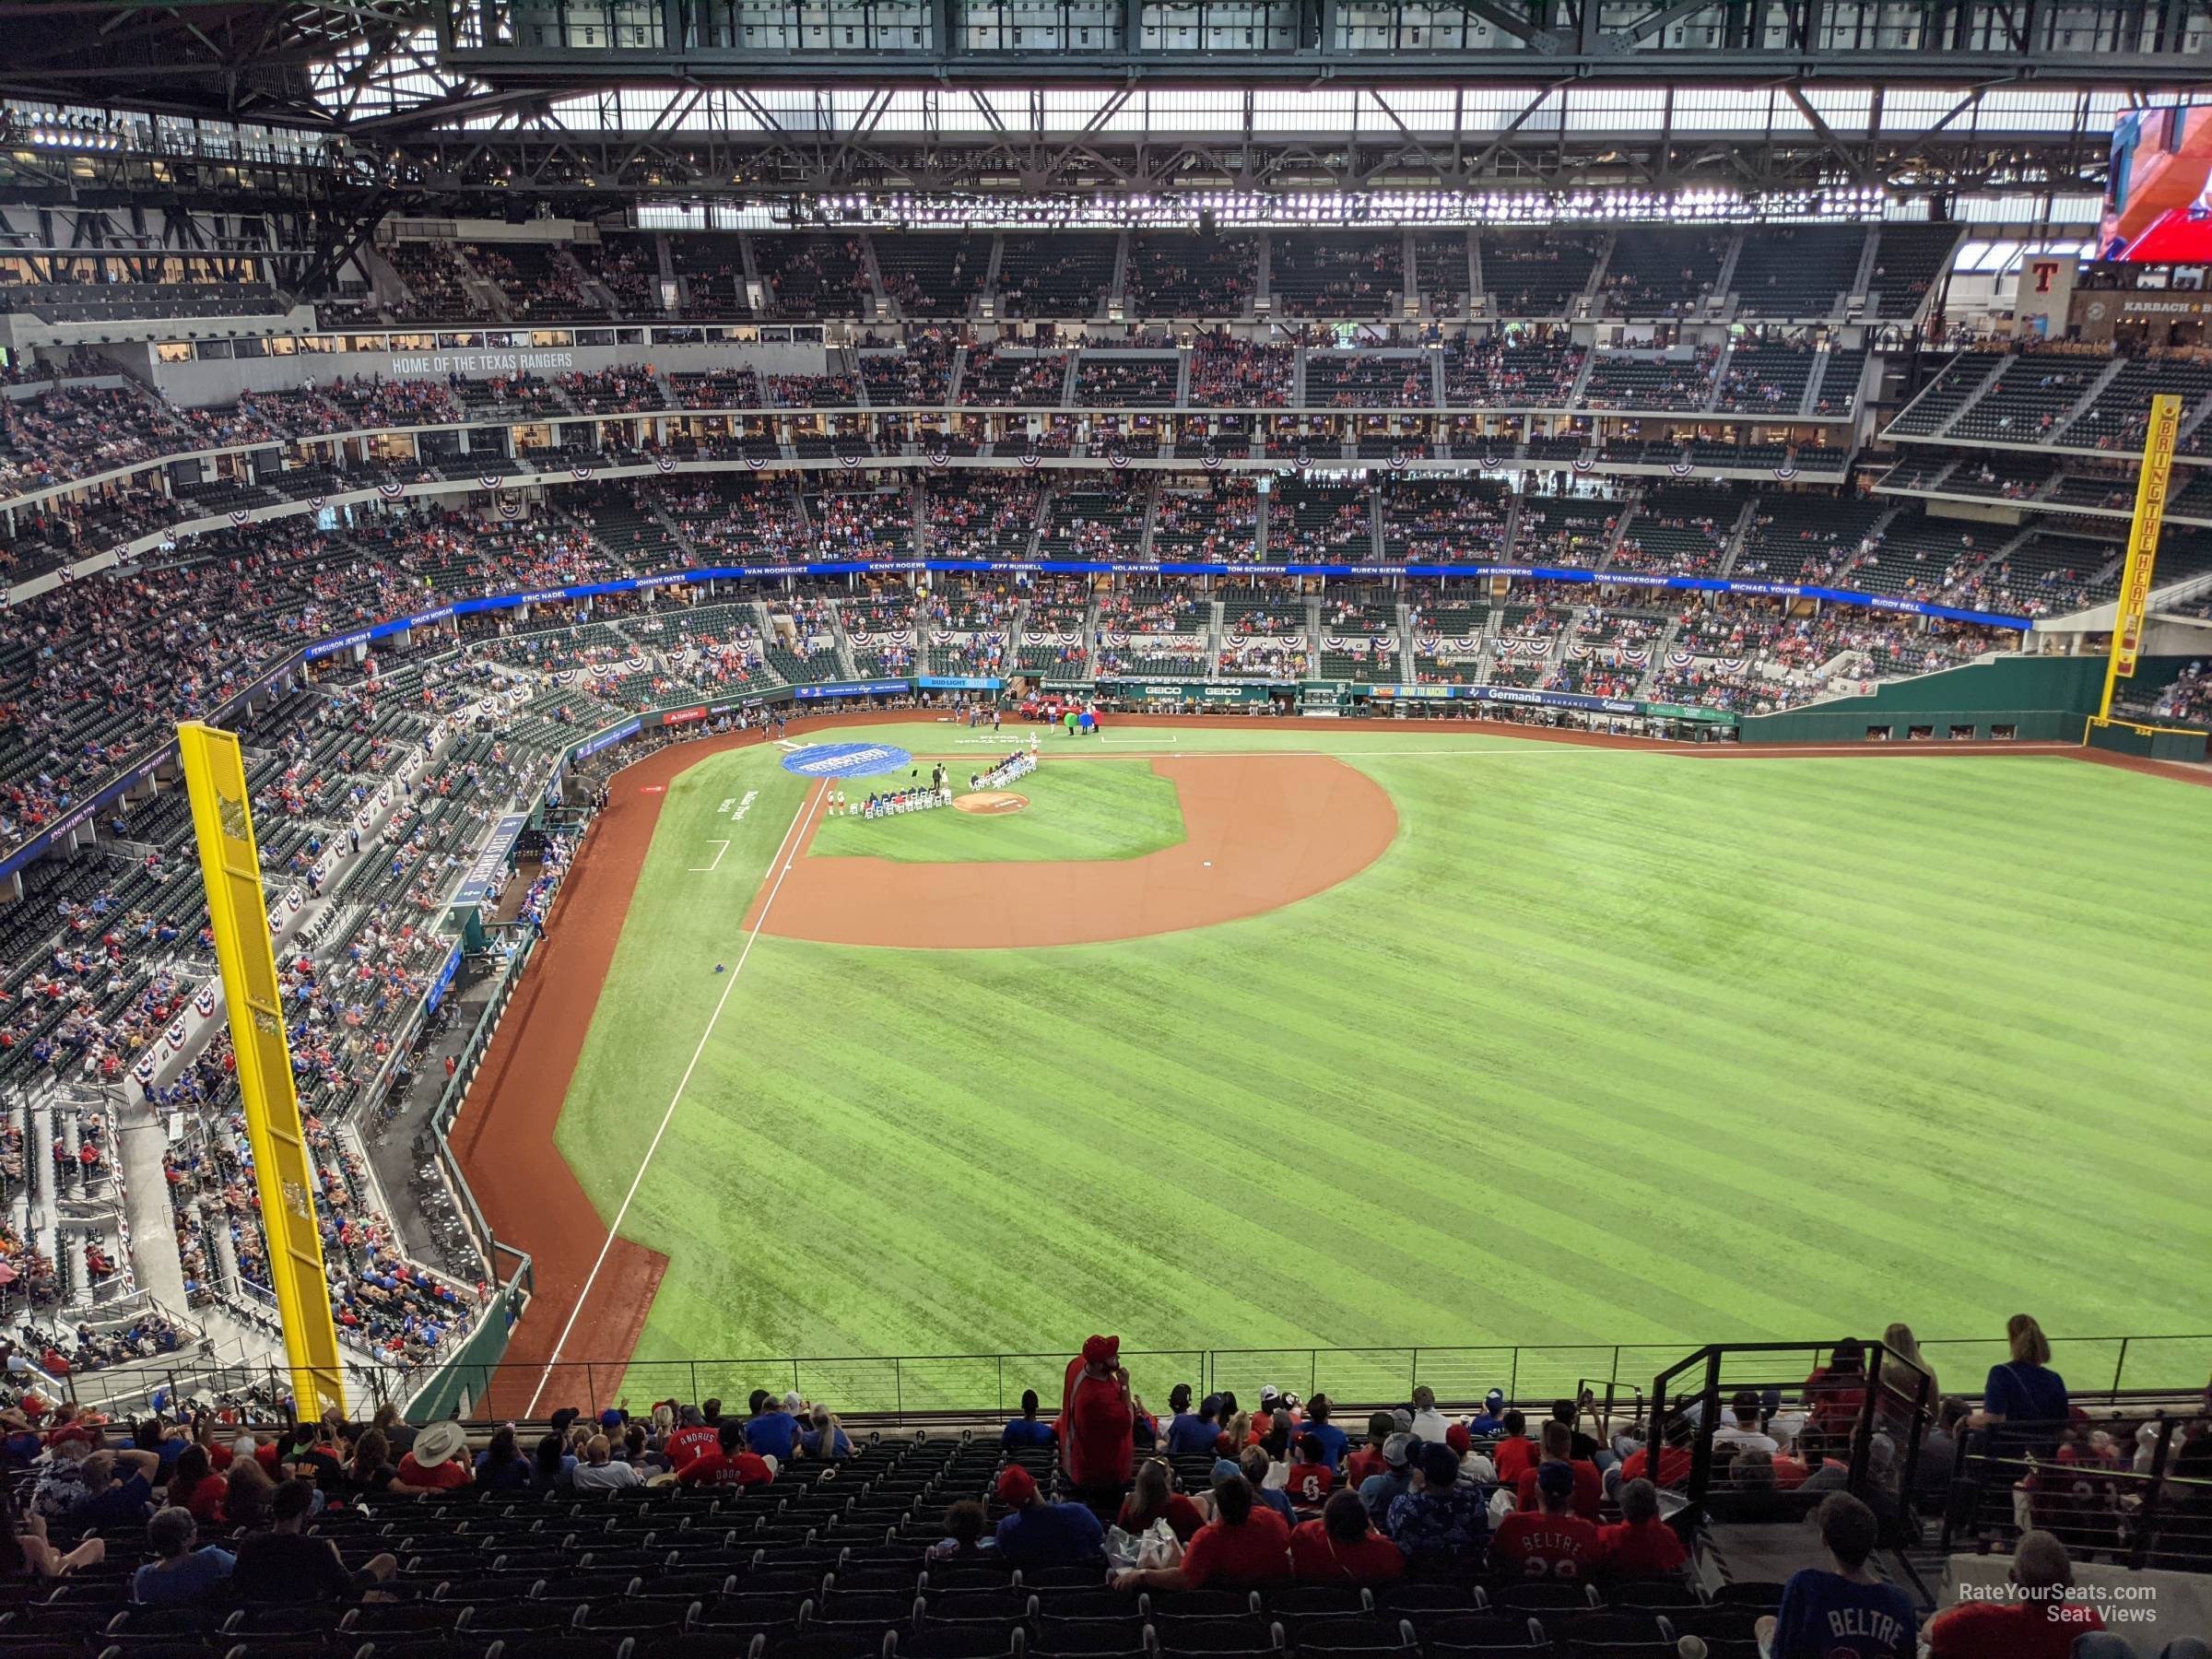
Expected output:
(584, 105)
(350, 64)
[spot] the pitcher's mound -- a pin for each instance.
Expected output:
(991, 803)
(1260, 831)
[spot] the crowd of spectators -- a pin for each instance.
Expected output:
(74, 430)
(1108, 1509)
(1238, 373)
(621, 391)
(981, 515)
(913, 368)
(993, 375)
(436, 280)
(2189, 698)
(864, 524)
(813, 276)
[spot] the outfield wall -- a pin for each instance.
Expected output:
(2147, 742)
(2042, 698)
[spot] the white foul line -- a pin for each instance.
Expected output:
(798, 821)
(721, 847)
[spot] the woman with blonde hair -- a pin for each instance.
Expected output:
(1900, 1354)
(825, 1438)
(1903, 1367)
(1234, 1434)
(2025, 1391)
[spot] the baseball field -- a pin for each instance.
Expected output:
(1271, 1038)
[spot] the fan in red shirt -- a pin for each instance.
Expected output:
(1790, 1473)
(1642, 1546)
(1516, 1454)
(1312, 1479)
(729, 1465)
(1098, 1425)
(1342, 1548)
(1367, 1460)
(1589, 1485)
(438, 1461)
(1674, 1456)
(1836, 1392)
(2038, 1623)
(1245, 1546)
(1549, 1542)
(693, 1438)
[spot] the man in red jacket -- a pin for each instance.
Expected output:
(1097, 1423)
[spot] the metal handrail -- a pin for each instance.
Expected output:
(913, 1388)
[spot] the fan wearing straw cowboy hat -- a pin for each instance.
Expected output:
(435, 1464)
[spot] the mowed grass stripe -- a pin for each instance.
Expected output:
(1632, 1047)
(661, 987)
(1997, 958)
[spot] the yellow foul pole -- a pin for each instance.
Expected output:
(214, 775)
(2142, 544)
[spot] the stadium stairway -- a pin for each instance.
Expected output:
(1660, 647)
(1734, 548)
(1744, 1554)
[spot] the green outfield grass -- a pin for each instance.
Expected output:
(1608, 1047)
(1075, 812)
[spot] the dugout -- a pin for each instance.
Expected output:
(1195, 697)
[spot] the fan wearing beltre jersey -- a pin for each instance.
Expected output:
(1846, 1613)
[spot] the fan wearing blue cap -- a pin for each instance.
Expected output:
(1489, 1423)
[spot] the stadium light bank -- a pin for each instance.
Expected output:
(1234, 210)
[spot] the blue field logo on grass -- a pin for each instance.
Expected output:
(846, 759)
